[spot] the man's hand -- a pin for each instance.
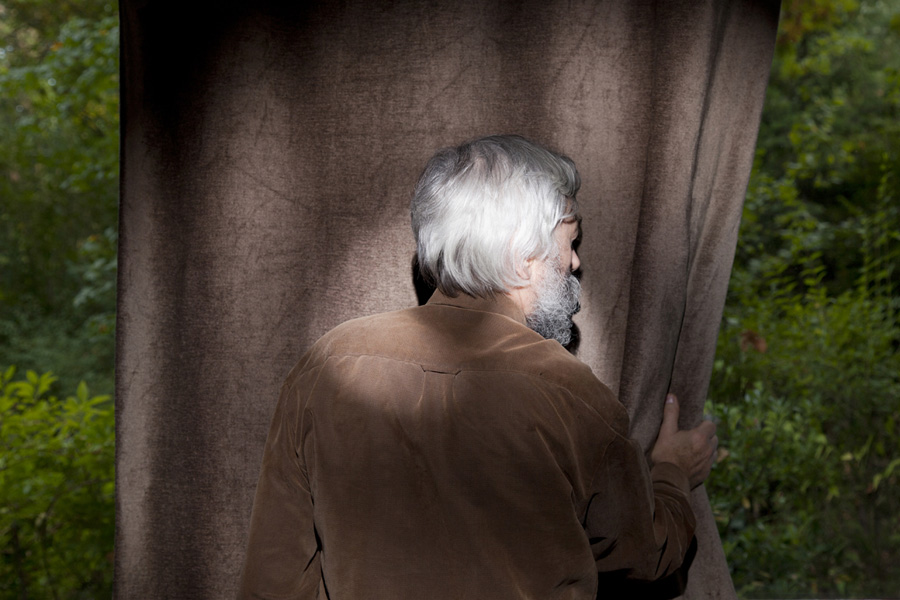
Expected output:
(694, 450)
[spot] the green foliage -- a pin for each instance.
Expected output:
(830, 132)
(59, 186)
(806, 388)
(806, 383)
(56, 490)
(58, 180)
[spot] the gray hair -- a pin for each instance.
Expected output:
(482, 209)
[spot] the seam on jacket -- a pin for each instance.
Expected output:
(302, 407)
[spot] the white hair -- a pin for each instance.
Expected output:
(482, 209)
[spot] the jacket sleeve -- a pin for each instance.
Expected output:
(639, 522)
(282, 558)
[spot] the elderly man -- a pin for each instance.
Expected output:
(457, 450)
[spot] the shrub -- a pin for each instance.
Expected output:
(56, 490)
(806, 387)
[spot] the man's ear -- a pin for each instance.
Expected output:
(524, 269)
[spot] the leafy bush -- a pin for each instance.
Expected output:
(806, 382)
(59, 141)
(59, 106)
(57, 490)
(806, 491)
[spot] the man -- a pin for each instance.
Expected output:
(457, 450)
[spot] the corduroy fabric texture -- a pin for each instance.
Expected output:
(269, 152)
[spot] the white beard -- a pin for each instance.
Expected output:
(557, 301)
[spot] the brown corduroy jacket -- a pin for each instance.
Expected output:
(448, 451)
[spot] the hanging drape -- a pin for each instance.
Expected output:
(269, 152)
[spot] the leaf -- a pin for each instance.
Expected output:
(82, 392)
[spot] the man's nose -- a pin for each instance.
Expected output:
(576, 262)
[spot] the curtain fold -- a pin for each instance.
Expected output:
(268, 156)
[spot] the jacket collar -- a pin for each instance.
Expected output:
(500, 304)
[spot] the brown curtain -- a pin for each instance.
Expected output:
(268, 158)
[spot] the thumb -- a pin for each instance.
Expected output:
(670, 415)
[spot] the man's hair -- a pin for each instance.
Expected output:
(480, 210)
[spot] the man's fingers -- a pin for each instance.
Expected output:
(707, 428)
(670, 416)
(693, 450)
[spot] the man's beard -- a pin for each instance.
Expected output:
(556, 303)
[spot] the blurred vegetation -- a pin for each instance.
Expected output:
(58, 211)
(806, 383)
(59, 142)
